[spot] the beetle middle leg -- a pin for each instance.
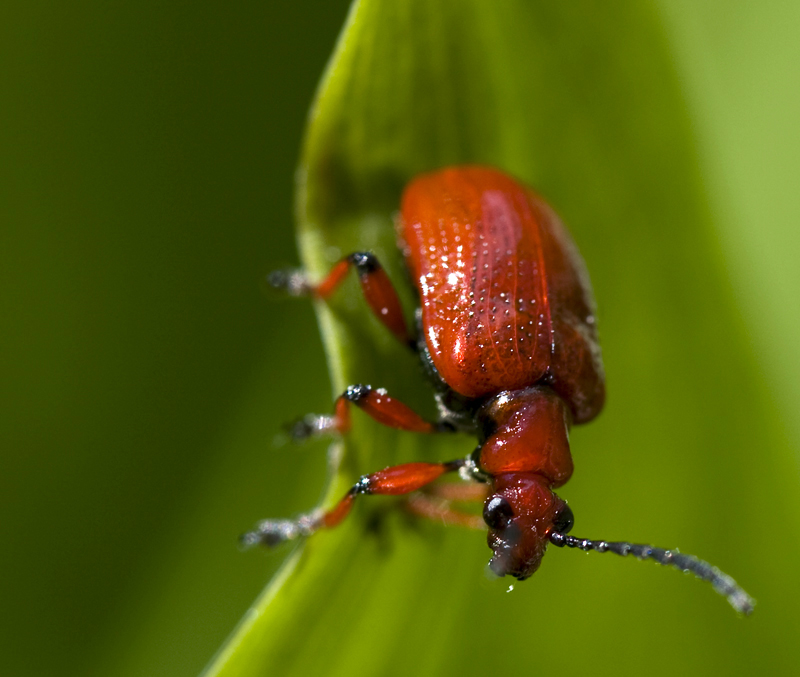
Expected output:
(377, 404)
(394, 481)
(375, 284)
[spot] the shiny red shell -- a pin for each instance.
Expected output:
(505, 297)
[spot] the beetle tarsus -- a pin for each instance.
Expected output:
(311, 425)
(274, 532)
(293, 281)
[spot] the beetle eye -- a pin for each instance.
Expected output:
(564, 520)
(497, 512)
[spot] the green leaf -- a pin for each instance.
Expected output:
(580, 100)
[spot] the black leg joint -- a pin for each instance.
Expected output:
(357, 393)
(361, 487)
(444, 427)
(472, 467)
(365, 262)
(452, 466)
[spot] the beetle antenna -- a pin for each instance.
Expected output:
(722, 583)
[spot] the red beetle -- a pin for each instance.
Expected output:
(507, 334)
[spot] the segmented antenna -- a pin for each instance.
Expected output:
(722, 583)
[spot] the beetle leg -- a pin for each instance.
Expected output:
(375, 284)
(461, 492)
(397, 480)
(435, 503)
(440, 510)
(376, 404)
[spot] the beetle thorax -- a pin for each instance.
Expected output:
(526, 431)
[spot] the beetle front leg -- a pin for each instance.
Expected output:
(374, 402)
(397, 480)
(375, 284)
(436, 503)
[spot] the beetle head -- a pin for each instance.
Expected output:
(521, 513)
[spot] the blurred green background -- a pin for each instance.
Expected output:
(147, 157)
